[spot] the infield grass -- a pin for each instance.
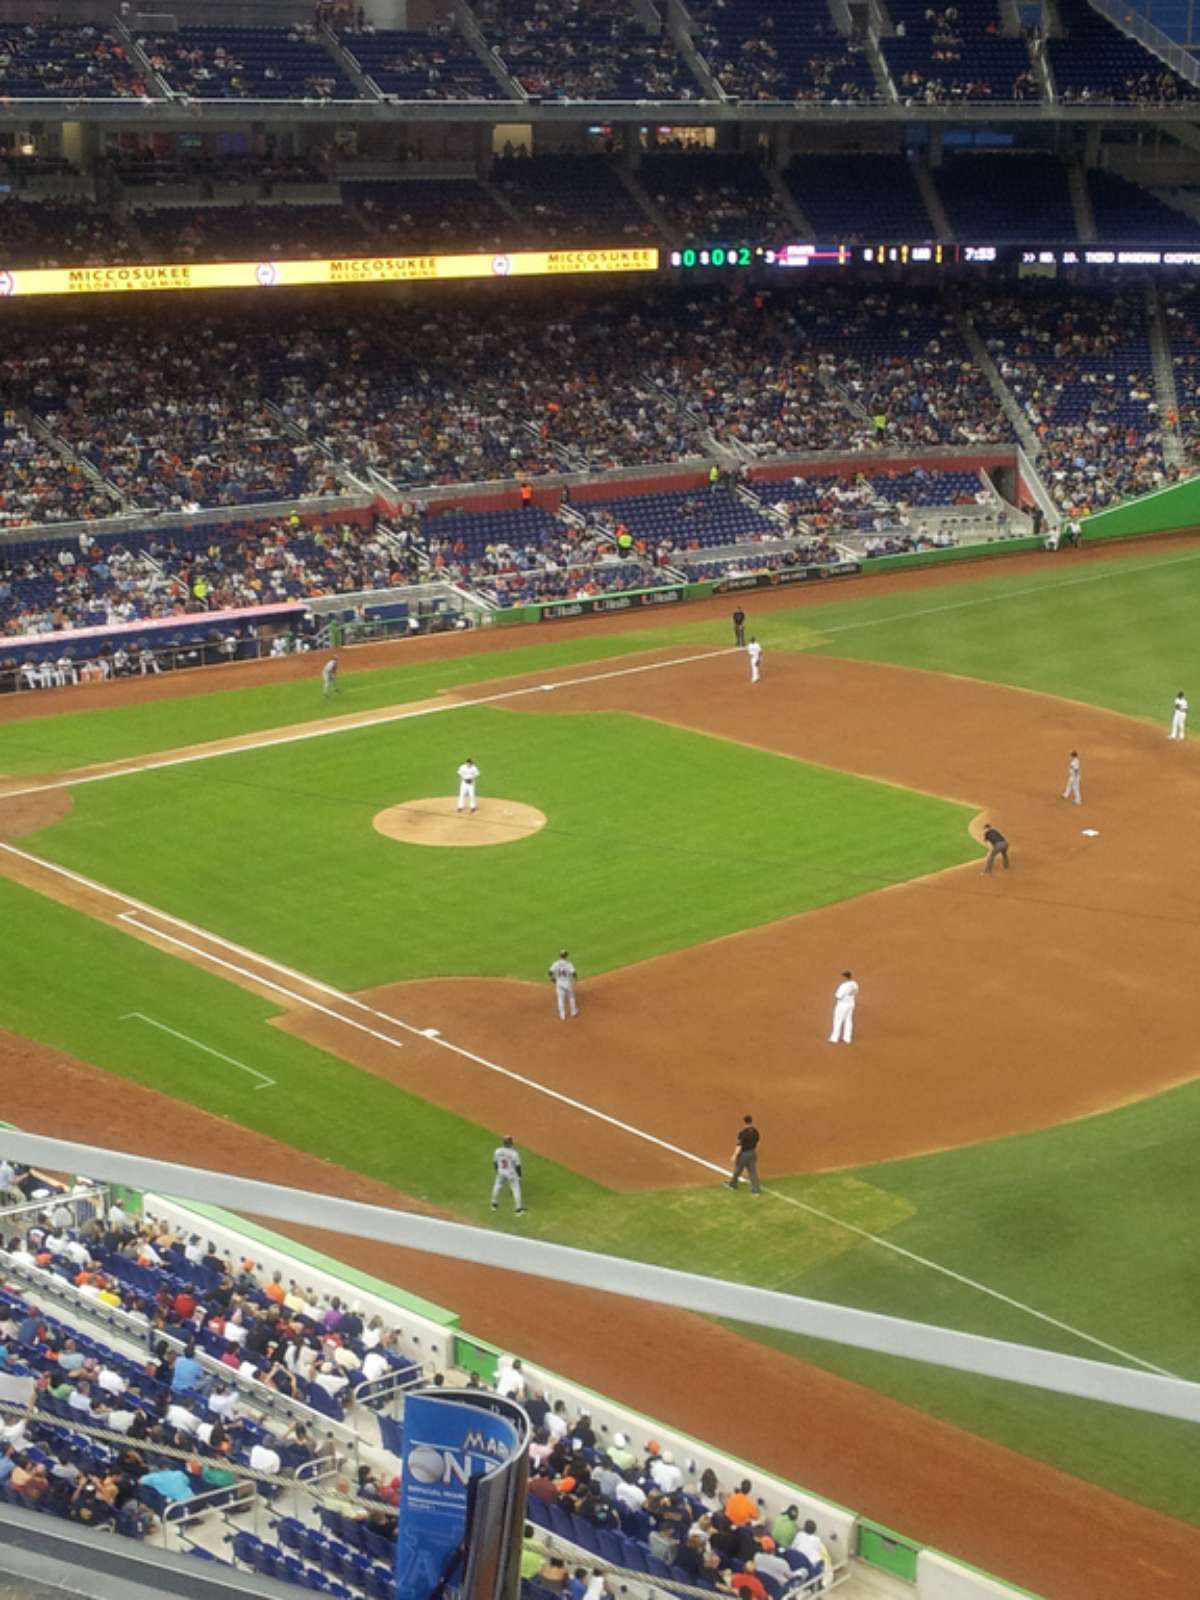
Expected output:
(1088, 1222)
(275, 848)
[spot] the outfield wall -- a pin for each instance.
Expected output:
(1168, 510)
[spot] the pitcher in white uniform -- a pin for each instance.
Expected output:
(1071, 792)
(506, 1164)
(1179, 717)
(467, 775)
(754, 651)
(845, 997)
(564, 974)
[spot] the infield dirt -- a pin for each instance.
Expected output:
(988, 1006)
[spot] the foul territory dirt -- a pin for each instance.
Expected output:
(988, 1006)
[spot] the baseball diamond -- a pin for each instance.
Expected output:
(1004, 1149)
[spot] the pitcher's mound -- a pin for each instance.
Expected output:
(437, 821)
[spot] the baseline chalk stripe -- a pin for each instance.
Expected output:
(140, 1016)
(434, 1038)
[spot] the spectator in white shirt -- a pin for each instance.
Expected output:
(112, 1382)
(80, 1398)
(665, 1473)
(556, 1421)
(375, 1365)
(631, 1494)
(181, 1419)
(118, 1217)
(222, 1402)
(264, 1459)
(808, 1544)
(510, 1380)
(120, 1421)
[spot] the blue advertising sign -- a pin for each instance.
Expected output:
(452, 1442)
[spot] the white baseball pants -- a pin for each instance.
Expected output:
(466, 791)
(843, 1022)
(1178, 724)
(565, 995)
(1071, 792)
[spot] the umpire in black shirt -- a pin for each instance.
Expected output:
(739, 626)
(745, 1157)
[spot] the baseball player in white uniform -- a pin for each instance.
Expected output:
(467, 775)
(506, 1164)
(1179, 717)
(754, 651)
(845, 998)
(1071, 792)
(564, 974)
(329, 676)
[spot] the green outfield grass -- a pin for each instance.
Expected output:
(1087, 1223)
(275, 848)
(83, 738)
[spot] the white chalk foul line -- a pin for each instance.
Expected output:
(516, 1077)
(140, 1016)
(384, 719)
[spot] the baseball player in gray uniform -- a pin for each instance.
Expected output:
(1071, 792)
(329, 676)
(506, 1164)
(564, 974)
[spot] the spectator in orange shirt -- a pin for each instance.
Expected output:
(275, 1290)
(739, 1507)
(747, 1583)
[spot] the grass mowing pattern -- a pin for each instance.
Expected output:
(83, 738)
(320, 1104)
(1081, 1221)
(275, 848)
(331, 1109)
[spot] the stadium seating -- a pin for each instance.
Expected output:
(585, 50)
(782, 51)
(50, 232)
(265, 231)
(956, 53)
(1079, 362)
(1096, 61)
(420, 214)
(422, 66)
(219, 61)
(62, 60)
(859, 197)
(715, 197)
(1007, 196)
(1126, 211)
(571, 199)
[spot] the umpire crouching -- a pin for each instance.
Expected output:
(997, 846)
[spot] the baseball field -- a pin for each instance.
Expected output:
(215, 954)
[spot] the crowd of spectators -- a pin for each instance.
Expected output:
(758, 51)
(53, 232)
(196, 435)
(1095, 61)
(945, 54)
(571, 199)
(585, 50)
(272, 232)
(70, 61)
(694, 1529)
(221, 62)
(716, 197)
(37, 485)
(1079, 363)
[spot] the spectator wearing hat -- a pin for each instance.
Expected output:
(785, 1527)
(619, 1453)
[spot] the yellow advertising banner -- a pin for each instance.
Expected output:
(349, 269)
